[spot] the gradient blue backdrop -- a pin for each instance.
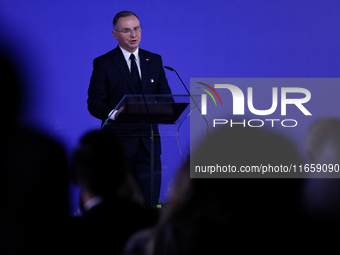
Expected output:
(56, 42)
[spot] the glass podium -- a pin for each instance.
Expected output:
(149, 111)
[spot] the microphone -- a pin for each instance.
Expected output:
(171, 69)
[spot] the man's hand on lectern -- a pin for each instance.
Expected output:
(118, 112)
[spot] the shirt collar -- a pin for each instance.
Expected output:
(127, 54)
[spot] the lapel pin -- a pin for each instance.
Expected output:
(151, 80)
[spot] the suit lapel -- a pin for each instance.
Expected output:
(145, 68)
(120, 62)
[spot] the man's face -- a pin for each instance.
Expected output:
(130, 40)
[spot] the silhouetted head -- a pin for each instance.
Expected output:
(202, 213)
(254, 148)
(98, 166)
(323, 141)
(10, 89)
(322, 190)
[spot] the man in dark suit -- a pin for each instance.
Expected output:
(129, 70)
(109, 201)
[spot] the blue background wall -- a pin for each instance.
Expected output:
(56, 42)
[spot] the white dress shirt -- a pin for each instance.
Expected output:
(128, 62)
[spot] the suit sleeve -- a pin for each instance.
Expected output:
(97, 102)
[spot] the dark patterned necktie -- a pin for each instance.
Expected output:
(135, 73)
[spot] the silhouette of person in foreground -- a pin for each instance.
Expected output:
(322, 193)
(34, 179)
(110, 200)
(204, 216)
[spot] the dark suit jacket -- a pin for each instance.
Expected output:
(107, 226)
(111, 80)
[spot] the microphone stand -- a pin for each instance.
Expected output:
(171, 69)
(152, 151)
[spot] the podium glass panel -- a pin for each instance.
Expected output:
(141, 115)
